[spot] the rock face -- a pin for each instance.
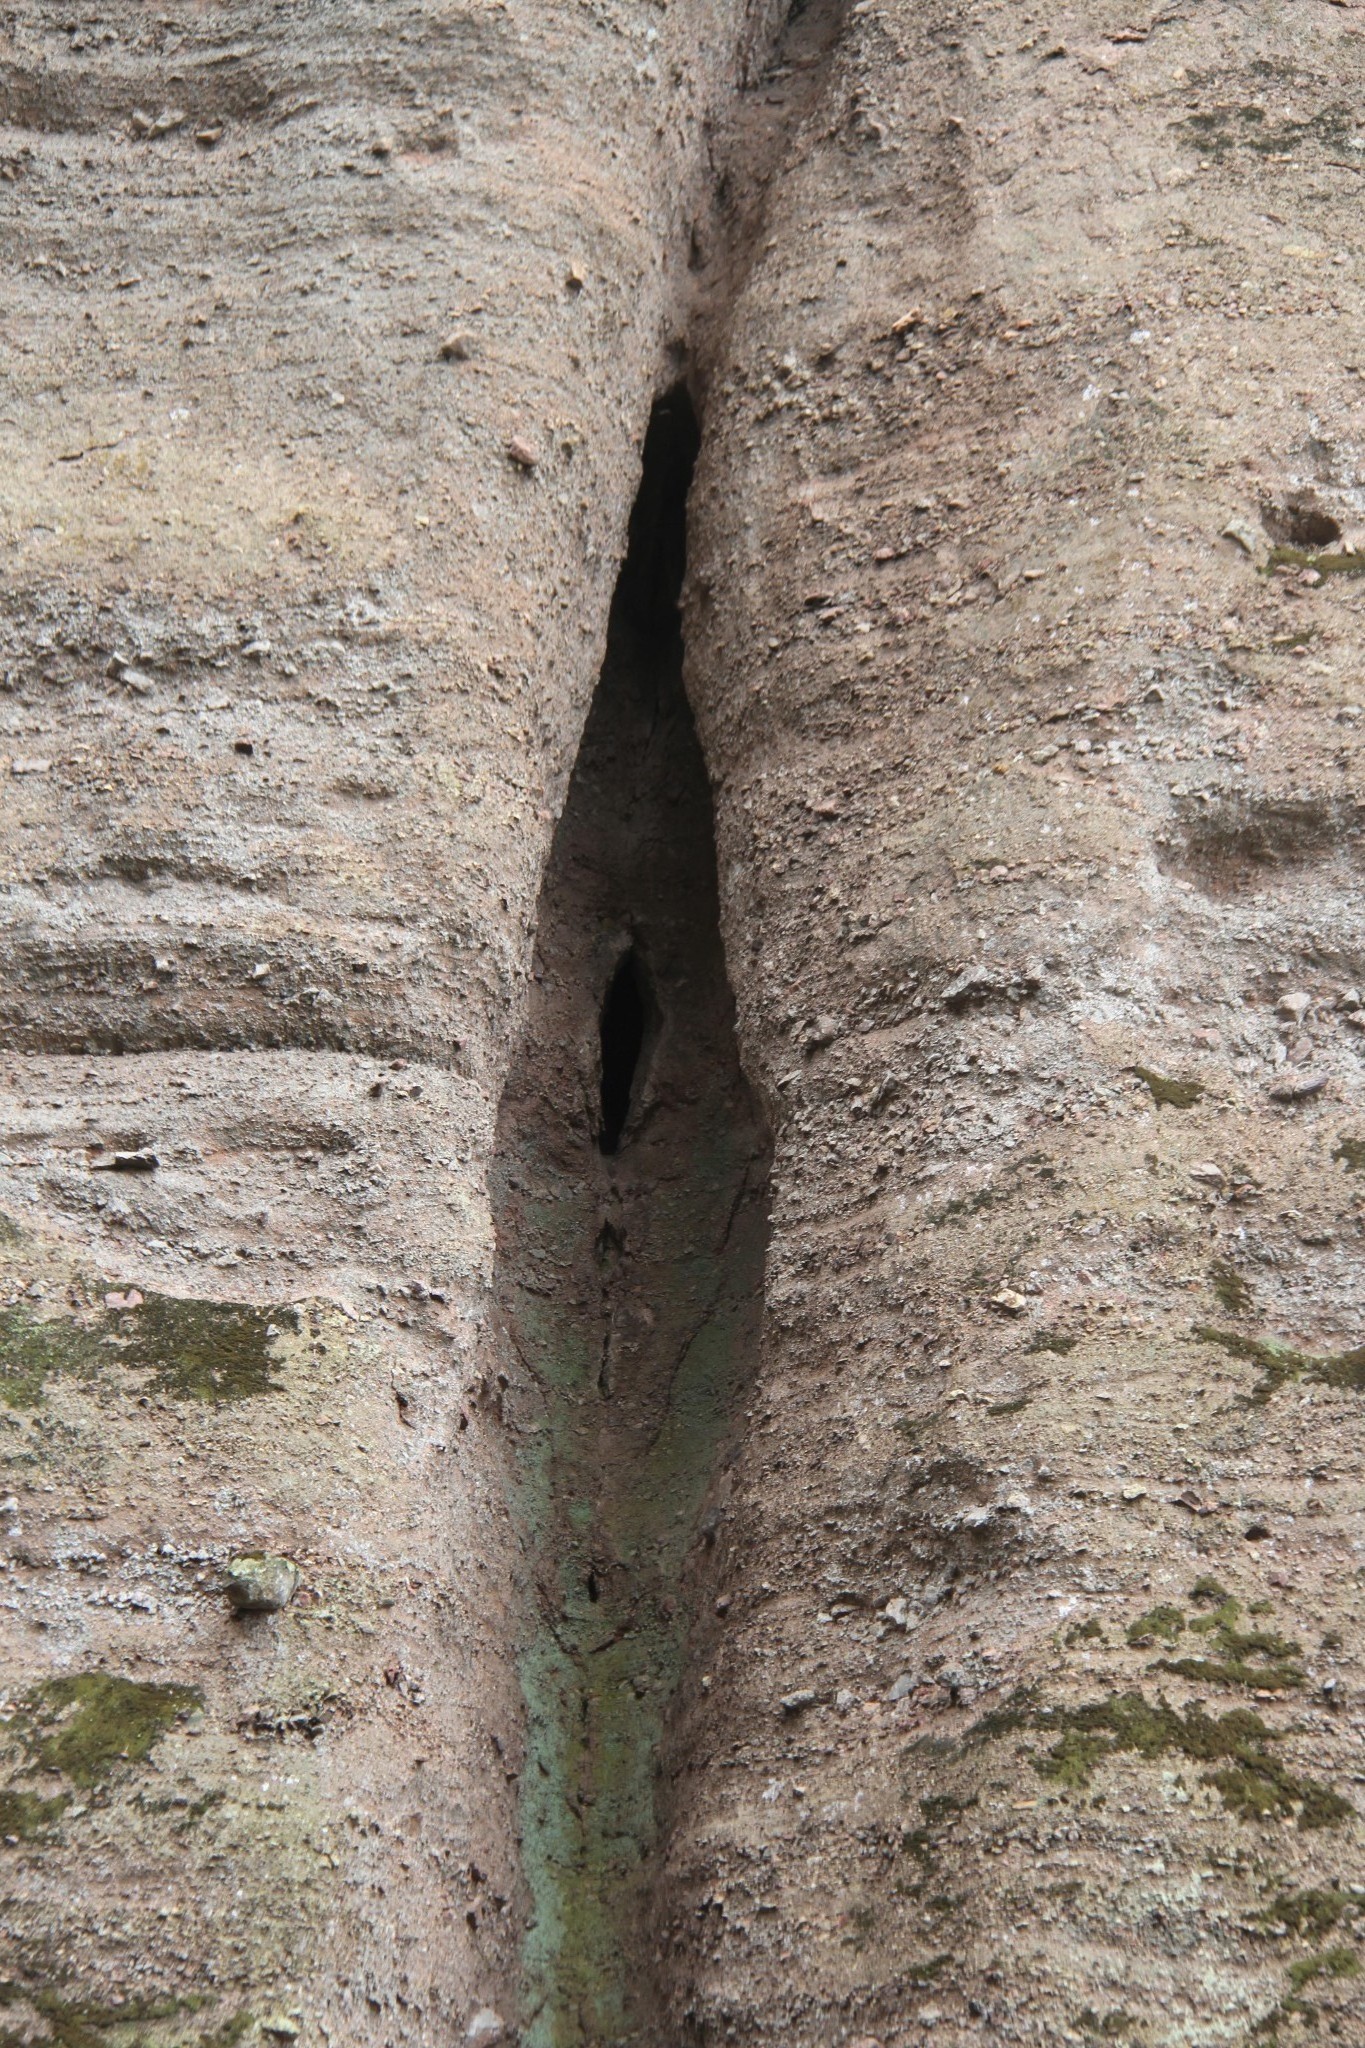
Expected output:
(764, 1210)
(1040, 885)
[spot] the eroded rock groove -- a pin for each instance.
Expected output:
(631, 1200)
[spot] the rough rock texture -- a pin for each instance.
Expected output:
(295, 660)
(1016, 1604)
(1039, 852)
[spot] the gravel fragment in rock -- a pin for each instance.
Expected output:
(1299, 1088)
(261, 1585)
(1245, 535)
(126, 1162)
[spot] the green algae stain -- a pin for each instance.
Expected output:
(1334, 562)
(1172, 1094)
(1252, 1782)
(206, 1351)
(76, 2023)
(27, 1817)
(1281, 1362)
(1165, 1622)
(87, 1724)
(33, 1350)
(599, 1675)
(1351, 1153)
(1254, 1657)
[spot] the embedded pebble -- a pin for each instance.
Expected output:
(261, 1585)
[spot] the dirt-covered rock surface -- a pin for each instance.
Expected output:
(1023, 642)
(330, 339)
(979, 1652)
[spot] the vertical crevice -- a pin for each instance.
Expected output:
(631, 1208)
(625, 1019)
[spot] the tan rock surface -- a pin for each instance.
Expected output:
(1016, 1622)
(1037, 795)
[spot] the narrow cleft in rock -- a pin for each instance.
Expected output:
(631, 1200)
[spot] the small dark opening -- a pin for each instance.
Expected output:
(651, 578)
(1299, 521)
(594, 1590)
(625, 1014)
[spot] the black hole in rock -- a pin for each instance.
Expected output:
(1299, 521)
(625, 1014)
(594, 1590)
(651, 577)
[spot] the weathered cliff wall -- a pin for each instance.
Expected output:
(330, 342)
(979, 1642)
(1039, 852)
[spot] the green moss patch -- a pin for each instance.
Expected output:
(1351, 1153)
(1207, 1588)
(1158, 1623)
(1220, 131)
(1169, 1093)
(1055, 1341)
(1281, 1362)
(965, 1205)
(87, 1724)
(1337, 1962)
(194, 1350)
(33, 1349)
(1231, 1289)
(204, 1350)
(941, 1808)
(27, 1817)
(1252, 1782)
(78, 2023)
(1327, 562)
(1255, 1657)
(1310, 1914)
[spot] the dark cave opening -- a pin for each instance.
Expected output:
(625, 1014)
(651, 577)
